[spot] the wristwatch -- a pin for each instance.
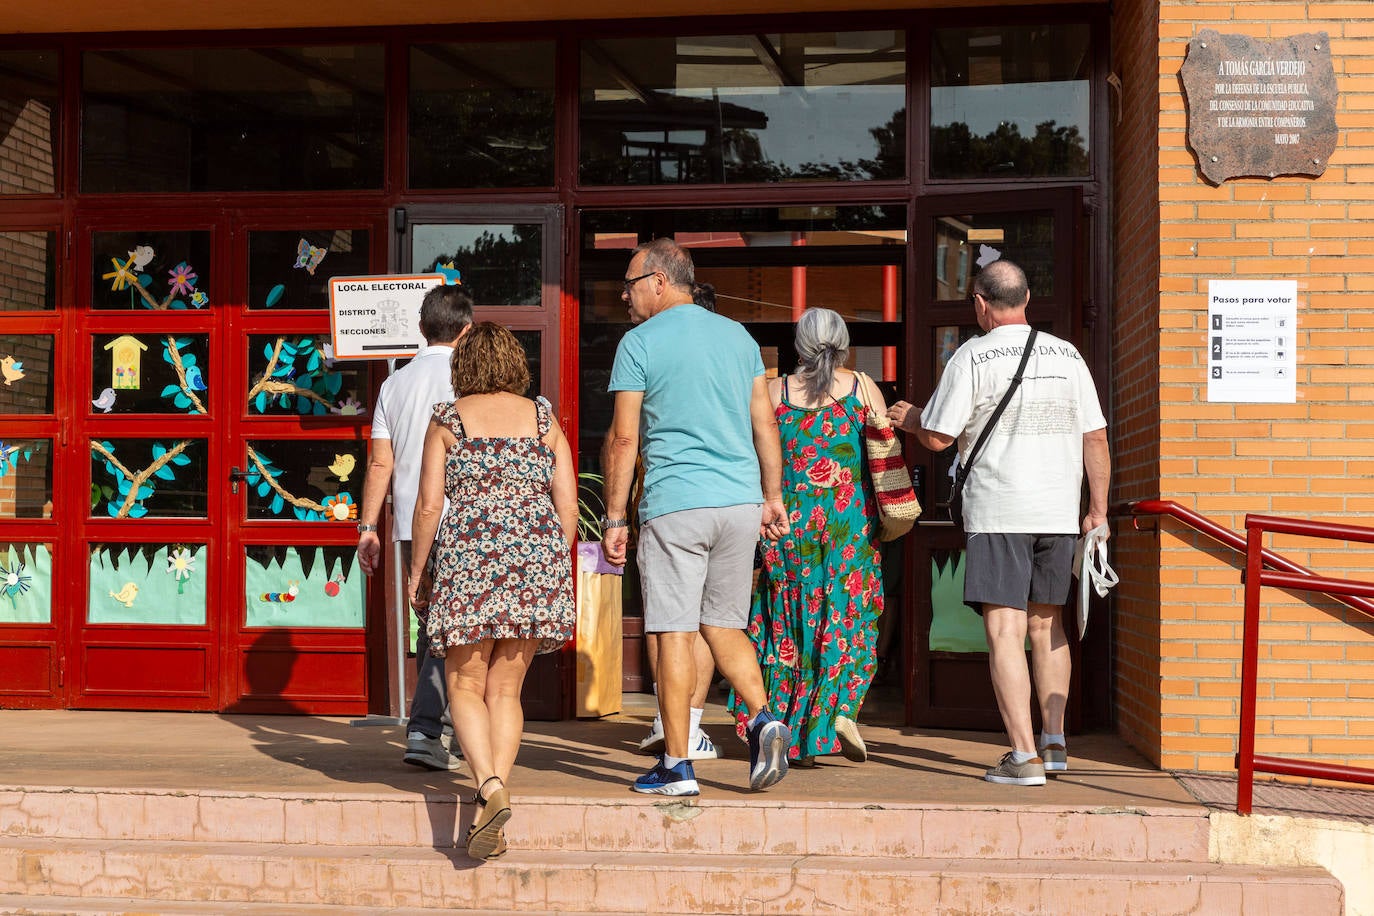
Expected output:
(364, 529)
(614, 522)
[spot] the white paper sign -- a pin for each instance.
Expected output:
(1251, 326)
(378, 317)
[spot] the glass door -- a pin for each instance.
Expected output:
(956, 236)
(293, 469)
(509, 259)
(145, 619)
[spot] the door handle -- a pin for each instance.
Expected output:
(235, 475)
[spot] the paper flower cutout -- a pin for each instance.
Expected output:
(121, 275)
(181, 563)
(340, 508)
(348, 407)
(183, 279)
(13, 582)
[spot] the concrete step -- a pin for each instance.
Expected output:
(756, 826)
(601, 882)
(29, 905)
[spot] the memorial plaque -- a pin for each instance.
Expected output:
(1260, 108)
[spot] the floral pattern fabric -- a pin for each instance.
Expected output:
(502, 567)
(819, 596)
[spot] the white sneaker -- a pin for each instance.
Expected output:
(653, 742)
(703, 748)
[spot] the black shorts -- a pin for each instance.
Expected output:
(1013, 570)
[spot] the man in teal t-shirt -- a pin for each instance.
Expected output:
(689, 385)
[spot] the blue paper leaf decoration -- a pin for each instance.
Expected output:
(158, 450)
(112, 509)
(169, 391)
(277, 504)
(165, 473)
(274, 295)
(145, 492)
(181, 459)
(260, 402)
(263, 489)
(137, 511)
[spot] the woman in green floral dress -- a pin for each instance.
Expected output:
(820, 592)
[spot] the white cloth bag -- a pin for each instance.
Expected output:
(1094, 573)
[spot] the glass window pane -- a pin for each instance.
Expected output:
(291, 374)
(309, 481)
(150, 373)
(1010, 101)
(26, 373)
(500, 263)
(25, 583)
(232, 119)
(744, 108)
(161, 584)
(153, 478)
(303, 586)
(533, 343)
(968, 242)
(291, 270)
(28, 271)
(150, 270)
(26, 478)
(30, 106)
(481, 115)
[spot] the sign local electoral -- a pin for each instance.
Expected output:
(378, 317)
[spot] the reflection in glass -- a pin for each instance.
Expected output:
(1010, 101)
(744, 108)
(499, 262)
(30, 106)
(954, 627)
(302, 586)
(290, 374)
(163, 584)
(26, 478)
(150, 270)
(28, 269)
(25, 583)
(309, 481)
(26, 373)
(153, 478)
(165, 118)
(948, 338)
(481, 115)
(968, 242)
(291, 270)
(150, 373)
(779, 294)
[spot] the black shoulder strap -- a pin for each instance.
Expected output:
(996, 414)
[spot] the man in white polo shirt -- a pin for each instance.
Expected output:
(399, 422)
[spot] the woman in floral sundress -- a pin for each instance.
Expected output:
(502, 567)
(820, 592)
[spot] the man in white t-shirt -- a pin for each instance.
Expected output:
(399, 422)
(1021, 502)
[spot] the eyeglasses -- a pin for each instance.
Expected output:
(633, 280)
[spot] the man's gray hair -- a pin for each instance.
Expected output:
(1003, 284)
(822, 344)
(667, 257)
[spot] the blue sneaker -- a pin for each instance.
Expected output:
(680, 780)
(768, 740)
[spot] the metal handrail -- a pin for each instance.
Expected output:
(1256, 576)
(1230, 539)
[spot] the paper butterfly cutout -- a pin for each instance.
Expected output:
(308, 256)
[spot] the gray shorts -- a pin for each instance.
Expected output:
(696, 567)
(1011, 570)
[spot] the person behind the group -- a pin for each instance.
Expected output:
(398, 441)
(502, 567)
(691, 383)
(820, 592)
(1021, 501)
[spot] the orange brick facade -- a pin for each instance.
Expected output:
(1179, 608)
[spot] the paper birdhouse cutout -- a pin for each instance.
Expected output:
(127, 357)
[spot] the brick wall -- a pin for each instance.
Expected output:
(1309, 459)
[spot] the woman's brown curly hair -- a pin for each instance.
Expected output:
(487, 359)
